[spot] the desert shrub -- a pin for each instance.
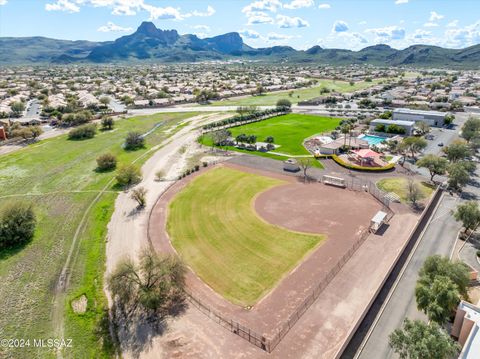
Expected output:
(134, 141)
(128, 175)
(106, 162)
(83, 132)
(17, 224)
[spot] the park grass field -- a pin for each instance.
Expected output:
(298, 95)
(289, 131)
(214, 228)
(59, 177)
(399, 187)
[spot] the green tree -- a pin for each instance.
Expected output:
(17, 108)
(457, 151)
(471, 128)
(419, 340)
(414, 145)
(284, 103)
(128, 175)
(107, 123)
(457, 271)
(220, 137)
(449, 119)
(17, 224)
(139, 195)
(437, 298)
(402, 149)
(469, 214)
(260, 90)
(413, 193)
(153, 287)
(458, 176)
(305, 164)
(36, 131)
(423, 127)
(105, 101)
(436, 165)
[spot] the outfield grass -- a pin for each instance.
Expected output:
(46, 173)
(399, 186)
(214, 228)
(298, 95)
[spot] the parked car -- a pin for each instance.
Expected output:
(440, 144)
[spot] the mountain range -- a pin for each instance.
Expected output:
(150, 44)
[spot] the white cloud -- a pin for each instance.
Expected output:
(262, 5)
(399, 2)
(388, 33)
(430, 24)
(259, 17)
(62, 5)
(249, 34)
(421, 35)
(453, 23)
(210, 11)
(324, 6)
(273, 36)
(362, 22)
(298, 4)
(344, 40)
(132, 7)
(340, 26)
(163, 13)
(205, 28)
(463, 37)
(111, 27)
(289, 22)
(3, 2)
(434, 16)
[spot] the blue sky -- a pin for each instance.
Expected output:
(351, 24)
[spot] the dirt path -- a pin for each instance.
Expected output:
(126, 230)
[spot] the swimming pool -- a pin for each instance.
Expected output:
(372, 140)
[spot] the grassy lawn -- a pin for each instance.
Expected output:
(47, 173)
(399, 187)
(270, 99)
(215, 229)
(289, 131)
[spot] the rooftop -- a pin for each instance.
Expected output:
(393, 122)
(418, 112)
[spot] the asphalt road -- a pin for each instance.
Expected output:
(445, 136)
(33, 109)
(438, 238)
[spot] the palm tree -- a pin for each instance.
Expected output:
(345, 129)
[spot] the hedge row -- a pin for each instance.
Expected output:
(249, 117)
(362, 168)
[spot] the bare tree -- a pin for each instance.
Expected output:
(413, 193)
(139, 195)
(305, 164)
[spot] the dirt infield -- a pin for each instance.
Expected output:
(296, 206)
(317, 208)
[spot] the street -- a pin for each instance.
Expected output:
(438, 238)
